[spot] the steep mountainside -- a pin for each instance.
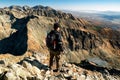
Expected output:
(23, 31)
(101, 18)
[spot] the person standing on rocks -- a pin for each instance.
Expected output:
(55, 45)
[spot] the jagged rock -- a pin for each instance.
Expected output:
(28, 71)
(53, 78)
(2, 62)
(23, 30)
(70, 72)
(26, 8)
(20, 71)
(10, 76)
(29, 67)
(48, 73)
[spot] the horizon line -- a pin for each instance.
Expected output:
(79, 10)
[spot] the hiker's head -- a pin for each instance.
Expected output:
(57, 26)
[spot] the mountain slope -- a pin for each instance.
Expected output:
(23, 31)
(101, 18)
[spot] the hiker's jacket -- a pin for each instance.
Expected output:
(59, 44)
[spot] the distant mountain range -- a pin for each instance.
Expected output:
(103, 18)
(94, 50)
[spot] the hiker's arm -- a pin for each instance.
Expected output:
(59, 39)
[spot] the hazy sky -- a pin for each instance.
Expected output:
(100, 5)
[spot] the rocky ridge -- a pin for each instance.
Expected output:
(23, 31)
(35, 68)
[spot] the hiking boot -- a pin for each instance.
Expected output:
(55, 70)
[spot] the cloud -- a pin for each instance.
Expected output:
(98, 7)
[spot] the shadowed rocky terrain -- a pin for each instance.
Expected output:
(91, 52)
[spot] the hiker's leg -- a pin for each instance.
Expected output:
(57, 57)
(51, 59)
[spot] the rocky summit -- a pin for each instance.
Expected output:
(91, 52)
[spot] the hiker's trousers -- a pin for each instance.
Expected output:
(56, 55)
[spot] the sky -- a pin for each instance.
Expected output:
(75, 5)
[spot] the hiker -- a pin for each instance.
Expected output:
(55, 45)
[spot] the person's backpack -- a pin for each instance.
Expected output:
(51, 40)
